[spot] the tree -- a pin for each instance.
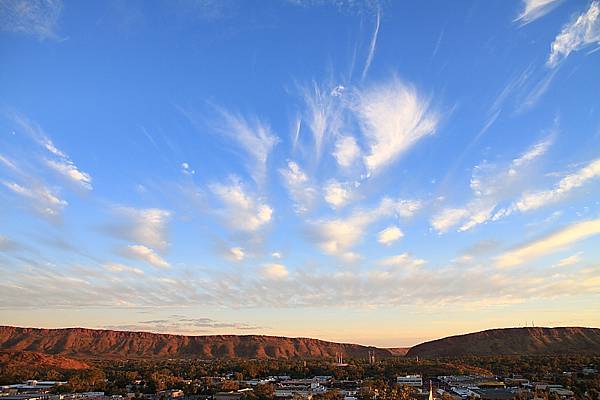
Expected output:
(264, 392)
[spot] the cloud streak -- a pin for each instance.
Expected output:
(582, 32)
(253, 136)
(146, 254)
(549, 244)
(535, 9)
(372, 46)
(490, 186)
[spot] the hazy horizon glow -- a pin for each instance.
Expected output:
(372, 172)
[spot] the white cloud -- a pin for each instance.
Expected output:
(534, 9)
(31, 17)
(346, 151)
(30, 283)
(549, 244)
(254, 137)
(147, 226)
(42, 199)
(274, 271)
(337, 194)
(448, 218)
(534, 200)
(338, 236)
(582, 32)
(393, 118)
(402, 260)
(243, 211)
(490, 185)
(61, 163)
(237, 253)
(67, 169)
(299, 187)
(571, 260)
(323, 112)
(9, 163)
(145, 254)
(389, 235)
(372, 45)
(186, 169)
(534, 152)
(535, 93)
(276, 254)
(116, 267)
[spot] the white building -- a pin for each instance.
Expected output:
(410, 380)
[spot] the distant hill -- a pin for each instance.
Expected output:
(513, 341)
(68, 345)
(91, 343)
(28, 359)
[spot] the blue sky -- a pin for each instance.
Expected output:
(374, 172)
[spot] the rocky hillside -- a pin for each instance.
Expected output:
(91, 343)
(28, 359)
(512, 341)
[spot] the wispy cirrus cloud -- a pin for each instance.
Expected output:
(584, 31)
(299, 187)
(490, 186)
(372, 46)
(532, 200)
(534, 9)
(322, 113)
(37, 18)
(43, 200)
(393, 117)
(570, 260)
(27, 178)
(69, 170)
(121, 268)
(59, 162)
(146, 254)
(549, 244)
(253, 136)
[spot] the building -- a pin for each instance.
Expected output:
(562, 393)
(495, 394)
(304, 388)
(227, 396)
(410, 380)
(32, 396)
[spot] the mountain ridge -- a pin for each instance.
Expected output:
(86, 343)
(513, 341)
